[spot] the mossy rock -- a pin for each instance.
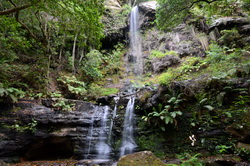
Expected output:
(144, 158)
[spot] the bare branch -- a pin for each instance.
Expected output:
(14, 10)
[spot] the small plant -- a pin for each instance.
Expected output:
(221, 149)
(18, 126)
(73, 85)
(10, 93)
(161, 117)
(60, 104)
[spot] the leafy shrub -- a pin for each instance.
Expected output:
(61, 104)
(72, 86)
(112, 61)
(91, 66)
(230, 38)
(10, 93)
(161, 117)
(190, 65)
(189, 160)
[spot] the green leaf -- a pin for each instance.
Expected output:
(203, 100)
(228, 114)
(173, 114)
(13, 98)
(167, 119)
(209, 107)
(162, 128)
(173, 99)
(2, 91)
(178, 112)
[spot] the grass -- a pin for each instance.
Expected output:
(109, 91)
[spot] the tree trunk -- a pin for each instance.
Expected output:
(74, 54)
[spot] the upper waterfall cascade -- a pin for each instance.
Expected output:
(135, 42)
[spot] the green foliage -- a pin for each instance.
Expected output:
(230, 38)
(62, 105)
(115, 20)
(10, 93)
(112, 61)
(74, 86)
(91, 65)
(21, 127)
(190, 65)
(108, 91)
(243, 153)
(12, 39)
(222, 149)
(221, 62)
(161, 117)
(189, 160)
(171, 13)
(152, 142)
(158, 54)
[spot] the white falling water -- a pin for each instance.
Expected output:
(135, 42)
(128, 142)
(90, 132)
(102, 147)
(112, 120)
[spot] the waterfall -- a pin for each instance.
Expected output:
(128, 142)
(135, 42)
(90, 132)
(112, 120)
(102, 147)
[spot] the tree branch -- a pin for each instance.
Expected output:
(14, 10)
(193, 3)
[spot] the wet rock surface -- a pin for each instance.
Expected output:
(162, 64)
(147, 11)
(145, 158)
(232, 22)
(182, 40)
(31, 131)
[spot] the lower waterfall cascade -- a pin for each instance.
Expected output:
(128, 142)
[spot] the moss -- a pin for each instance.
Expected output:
(145, 158)
(108, 91)
(145, 96)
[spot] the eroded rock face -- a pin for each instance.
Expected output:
(147, 11)
(161, 64)
(182, 40)
(30, 130)
(145, 158)
(231, 22)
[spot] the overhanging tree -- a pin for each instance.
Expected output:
(170, 13)
(54, 22)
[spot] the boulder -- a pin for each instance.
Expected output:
(231, 22)
(112, 4)
(144, 158)
(149, 7)
(161, 64)
(147, 11)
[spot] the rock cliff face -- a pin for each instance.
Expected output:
(34, 132)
